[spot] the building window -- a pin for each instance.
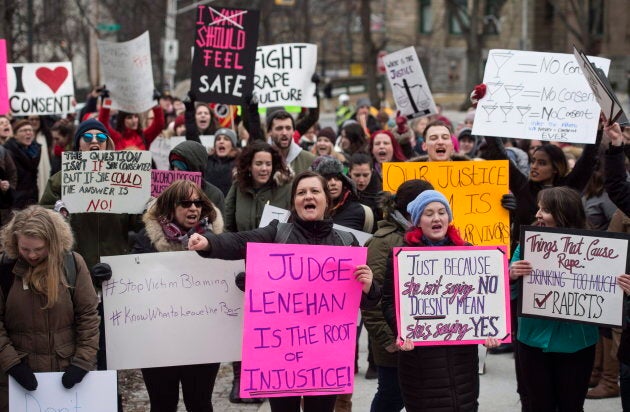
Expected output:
(426, 16)
(461, 8)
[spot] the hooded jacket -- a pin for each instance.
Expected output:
(130, 139)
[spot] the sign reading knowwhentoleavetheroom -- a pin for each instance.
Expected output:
(452, 295)
(40, 88)
(161, 179)
(574, 275)
(224, 54)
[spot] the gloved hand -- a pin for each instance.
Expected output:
(315, 79)
(156, 95)
(24, 375)
(240, 281)
(72, 376)
(251, 99)
(189, 101)
(104, 92)
(101, 272)
(508, 201)
(401, 123)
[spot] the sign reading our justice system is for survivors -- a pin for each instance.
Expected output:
(574, 275)
(452, 295)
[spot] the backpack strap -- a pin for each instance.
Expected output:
(282, 232)
(346, 237)
(70, 267)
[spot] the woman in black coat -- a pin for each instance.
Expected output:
(25, 152)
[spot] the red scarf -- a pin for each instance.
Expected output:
(414, 236)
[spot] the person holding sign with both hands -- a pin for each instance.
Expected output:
(310, 224)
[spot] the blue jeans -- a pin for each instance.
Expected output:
(624, 381)
(388, 397)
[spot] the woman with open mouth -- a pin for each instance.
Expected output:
(222, 159)
(325, 145)
(200, 118)
(385, 148)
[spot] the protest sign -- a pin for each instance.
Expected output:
(4, 87)
(409, 85)
(473, 189)
(127, 71)
(533, 95)
(300, 320)
(283, 75)
(106, 181)
(161, 179)
(149, 294)
(452, 295)
(224, 52)
(95, 393)
(40, 88)
(574, 275)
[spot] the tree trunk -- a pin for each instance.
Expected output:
(370, 53)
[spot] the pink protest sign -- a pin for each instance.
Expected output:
(301, 306)
(161, 179)
(452, 295)
(4, 87)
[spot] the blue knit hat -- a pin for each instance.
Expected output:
(417, 206)
(86, 125)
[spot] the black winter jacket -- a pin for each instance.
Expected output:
(617, 185)
(25, 193)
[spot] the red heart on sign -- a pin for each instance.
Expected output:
(52, 78)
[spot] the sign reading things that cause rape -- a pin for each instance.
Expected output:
(283, 75)
(106, 181)
(148, 294)
(40, 88)
(452, 295)
(574, 275)
(473, 189)
(300, 320)
(224, 52)
(161, 179)
(533, 95)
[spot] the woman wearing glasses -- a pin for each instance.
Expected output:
(181, 210)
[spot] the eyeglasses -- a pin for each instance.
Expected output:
(88, 137)
(188, 203)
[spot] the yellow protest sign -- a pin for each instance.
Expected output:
(473, 189)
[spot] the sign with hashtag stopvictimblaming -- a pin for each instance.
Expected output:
(171, 308)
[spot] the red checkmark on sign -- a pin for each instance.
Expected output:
(52, 78)
(541, 302)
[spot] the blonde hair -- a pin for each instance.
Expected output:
(51, 227)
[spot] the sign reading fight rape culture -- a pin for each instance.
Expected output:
(300, 318)
(106, 181)
(452, 295)
(283, 75)
(224, 54)
(473, 189)
(161, 179)
(188, 313)
(574, 275)
(534, 95)
(40, 88)
(128, 73)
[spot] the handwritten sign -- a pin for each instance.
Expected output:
(283, 75)
(4, 87)
(149, 294)
(40, 88)
(574, 275)
(95, 393)
(224, 52)
(452, 295)
(409, 85)
(533, 95)
(128, 74)
(161, 179)
(473, 189)
(300, 320)
(106, 181)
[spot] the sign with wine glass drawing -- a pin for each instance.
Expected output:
(543, 96)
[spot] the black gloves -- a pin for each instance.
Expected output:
(104, 92)
(508, 201)
(72, 376)
(315, 79)
(156, 95)
(189, 101)
(240, 281)
(100, 273)
(24, 375)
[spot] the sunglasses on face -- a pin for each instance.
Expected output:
(88, 137)
(188, 203)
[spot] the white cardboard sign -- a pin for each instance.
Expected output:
(186, 306)
(40, 88)
(106, 181)
(533, 95)
(127, 72)
(409, 85)
(95, 393)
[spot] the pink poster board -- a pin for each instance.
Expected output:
(452, 295)
(4, 85)
(301, 306)
(161, 179)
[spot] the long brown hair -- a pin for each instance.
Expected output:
(52, 228)
(179, 190)
(565, 205)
